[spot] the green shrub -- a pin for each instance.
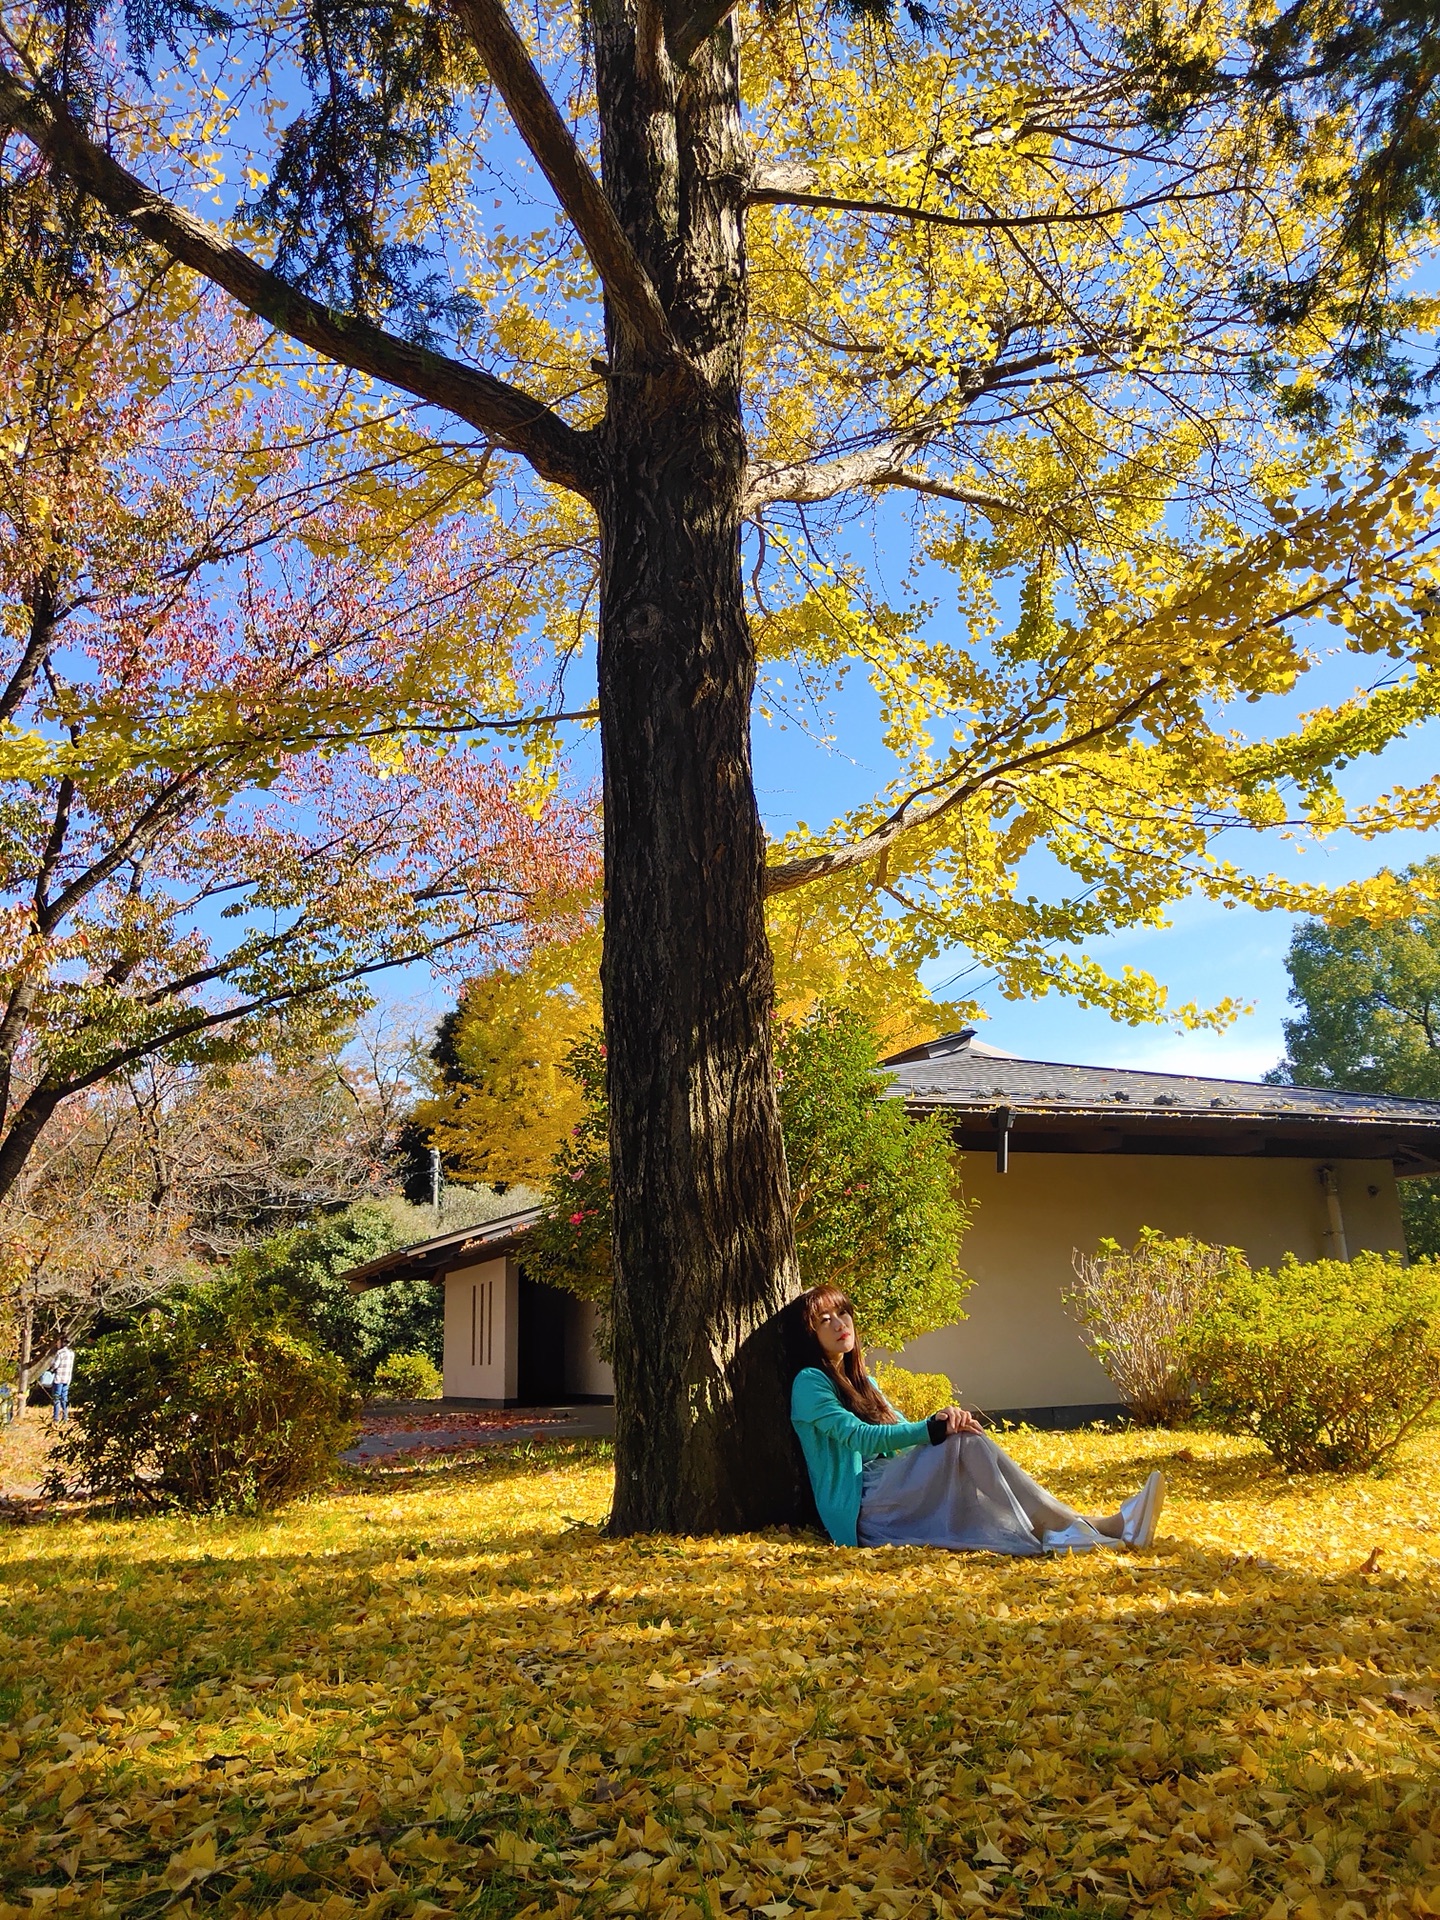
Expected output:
(915, 1396)
(306, 1264)
(217, 1399)
(876, 1198)
(408, 1376)
(1137, 1308)
(1330, 1365)
(875, 1195)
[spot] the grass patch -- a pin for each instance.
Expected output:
(442, 1690)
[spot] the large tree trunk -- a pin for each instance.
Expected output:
(704, 1255)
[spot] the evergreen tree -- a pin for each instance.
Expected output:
(1369, 995)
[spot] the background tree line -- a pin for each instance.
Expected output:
(1368, 1020)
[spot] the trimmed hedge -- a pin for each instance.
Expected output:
(915, 1395)
(408, 1376)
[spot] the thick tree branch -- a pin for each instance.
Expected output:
(927, 804)
(31, 1119)
(806, 483)
(785, 875)
(517, 79)
(54, 846)
(16, 1018)
(506, 414)
(687, 30)
(44, 617)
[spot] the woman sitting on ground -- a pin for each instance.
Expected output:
(880, 1481)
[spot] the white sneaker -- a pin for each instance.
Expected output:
(1078, 1537)
(1141, 1512)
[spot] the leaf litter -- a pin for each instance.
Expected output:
(448, 1693)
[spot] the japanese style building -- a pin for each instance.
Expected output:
(1055, 1158)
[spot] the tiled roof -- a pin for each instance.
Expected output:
(487, 1240)
(951, 1073)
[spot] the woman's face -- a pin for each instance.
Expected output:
(835, 1330)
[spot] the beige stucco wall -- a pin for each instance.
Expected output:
(1019, 1348)
(482, 1331)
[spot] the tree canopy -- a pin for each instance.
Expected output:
(1369, 1000)
(503, 1101)
(1373, 65)
(715, 300)
(228, 781)
(1035, 332)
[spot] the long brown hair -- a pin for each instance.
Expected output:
(852, 1382)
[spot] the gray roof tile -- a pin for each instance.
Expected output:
(945, 1073)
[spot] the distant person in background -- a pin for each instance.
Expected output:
(62, 1368)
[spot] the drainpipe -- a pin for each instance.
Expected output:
(1330, 1181)
(1004, 1120)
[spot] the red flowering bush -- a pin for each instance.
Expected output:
(570, 1244)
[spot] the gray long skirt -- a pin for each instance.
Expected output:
(968, 1495)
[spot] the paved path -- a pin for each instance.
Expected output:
(542, 1423)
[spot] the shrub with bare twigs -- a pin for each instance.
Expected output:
(1137, 1307)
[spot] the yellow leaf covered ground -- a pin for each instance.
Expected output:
(441, 1691)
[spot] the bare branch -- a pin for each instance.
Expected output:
(793, 186)
(538, 120)
(511, 417)
(805, 483)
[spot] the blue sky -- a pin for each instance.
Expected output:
(1207, 953)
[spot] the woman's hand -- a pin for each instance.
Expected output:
(957, 1420)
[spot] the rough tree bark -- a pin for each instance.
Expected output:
(704, 1254)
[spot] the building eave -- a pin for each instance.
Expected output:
(1057, 1107)
(1411, 1150)
(433, 1259)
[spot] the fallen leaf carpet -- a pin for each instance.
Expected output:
(441, 1690)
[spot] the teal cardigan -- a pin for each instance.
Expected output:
(836, 1444)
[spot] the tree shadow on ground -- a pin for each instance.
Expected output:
(1190, 1474)
(1146, 1675)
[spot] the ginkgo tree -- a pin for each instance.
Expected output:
(234, 780)
(782, 266)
